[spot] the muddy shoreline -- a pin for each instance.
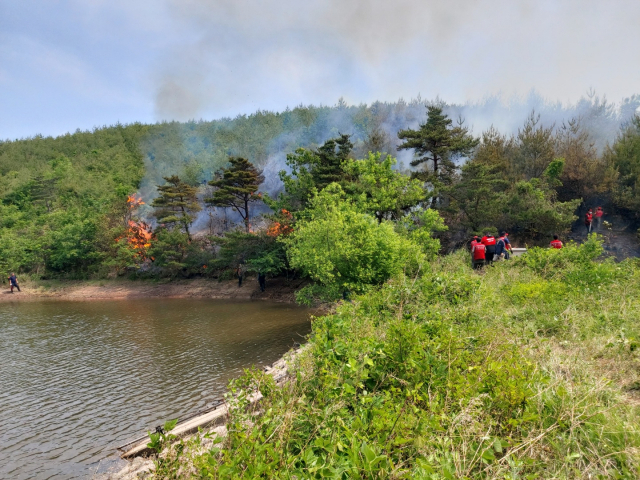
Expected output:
(278, 290)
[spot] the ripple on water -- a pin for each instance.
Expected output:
(78, 379)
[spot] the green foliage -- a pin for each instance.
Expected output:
(176, 205)
(327, 166)
(380, 190)
(624, 158)
(437, 141)
(532, 209)
(72, 243)
(260, 252)
(452, 375)
(419, 227)
(159, 439)
(476, 201)
(535, 148)
(170, 250)
(313, 170)
(236, 187)
(343, 248)
(553, 262)
(61, 199)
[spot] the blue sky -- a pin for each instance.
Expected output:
(78, 64)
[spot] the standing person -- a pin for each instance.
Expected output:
(507, 246)
(501, 246)
(478, 255)
(504, 237)
(555, 243)
(13, 281)
(489, 241)
(239, 273)
(262, 281)
(588, 218)
(474, 241)
(599, 214)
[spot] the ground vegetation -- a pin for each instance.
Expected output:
(526, 371)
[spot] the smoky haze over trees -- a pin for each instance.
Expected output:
(64, 200)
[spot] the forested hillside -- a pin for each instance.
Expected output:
(66, 207)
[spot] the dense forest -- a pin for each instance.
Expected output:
(82, 204)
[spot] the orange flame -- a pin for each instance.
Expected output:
(139, 233)
(134, 201)
(281, 228)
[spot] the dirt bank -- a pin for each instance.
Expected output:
(278, 289)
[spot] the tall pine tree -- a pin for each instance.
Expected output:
(177, 204)
(236, 187)
(437, 143)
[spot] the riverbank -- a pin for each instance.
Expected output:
(527, 371)
(278, 289)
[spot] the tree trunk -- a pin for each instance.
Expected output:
(246, 213)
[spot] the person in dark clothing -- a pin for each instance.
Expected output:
(262, 281)
(501, 247)
(13, 281)
(239, 273)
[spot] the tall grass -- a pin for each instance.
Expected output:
(525, 370)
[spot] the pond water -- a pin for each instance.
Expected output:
(77, 379)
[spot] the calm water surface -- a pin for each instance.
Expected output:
(78, 379)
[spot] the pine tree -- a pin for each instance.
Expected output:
(437, 141)
(237, 187)
(313, 169)
(329, 160)
(177, 204)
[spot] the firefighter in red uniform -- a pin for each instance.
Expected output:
(555, 243)
(489, 241)
(599, 214)
(588, 218)
(478, 253)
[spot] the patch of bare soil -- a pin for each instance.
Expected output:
(277, 289)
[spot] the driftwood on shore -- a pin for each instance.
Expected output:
(212, 419)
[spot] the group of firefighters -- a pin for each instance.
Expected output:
(590, 216)
(488, 249)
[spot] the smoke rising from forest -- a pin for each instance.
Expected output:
(246, 55)
(195, 150)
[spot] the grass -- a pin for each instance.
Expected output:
(526, 370)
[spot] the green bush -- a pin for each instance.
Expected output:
(342, 248)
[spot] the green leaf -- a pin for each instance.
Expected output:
(497, 445)
(170, 425)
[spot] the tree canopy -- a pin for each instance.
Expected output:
(437, 143)
(177, 204)
(237, 187)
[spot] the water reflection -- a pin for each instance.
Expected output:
(79, 378)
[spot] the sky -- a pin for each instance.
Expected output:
(80, 64)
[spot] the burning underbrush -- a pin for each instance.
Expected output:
(138, 234)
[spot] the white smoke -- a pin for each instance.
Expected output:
(245, 55)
